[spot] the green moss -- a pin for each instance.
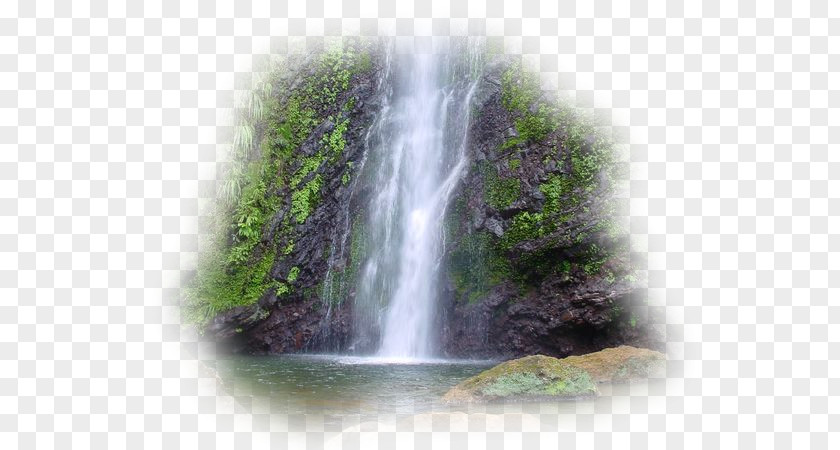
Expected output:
(520, 89)
(620, 364)
(455, 212)
(533, 118)
(531, 377)
(534, 127)
(514, 163)
(500, 192)
(358, 242)
(526, 226)
(511, 384)
(475, 266)
(536, 265)
(340, 281)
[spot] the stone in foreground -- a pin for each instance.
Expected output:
(534, 377)
(620, 364)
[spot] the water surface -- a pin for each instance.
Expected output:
(300, 384)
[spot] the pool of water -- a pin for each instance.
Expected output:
(344, 384)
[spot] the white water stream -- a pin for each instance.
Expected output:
(418, 155)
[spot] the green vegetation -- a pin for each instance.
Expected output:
(334, 141)
(217, 288)
(307, 166)
(300, 120)
(500, 192)
(306, 199)
(525, 226)
(574, 223)
(345, 177)
(339, 282)
(267, 176)
(587, 170)
(358, 242)
(533, 118)
(594, 259)
(475, 266)
(273, 187)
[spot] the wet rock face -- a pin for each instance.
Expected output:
(530, 267)
(301, 319)
(288, 328)
(566, 322)
(544, 292)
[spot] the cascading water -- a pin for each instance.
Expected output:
(416, 158)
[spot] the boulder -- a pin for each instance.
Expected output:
(540, 377)
(534, 377)
(620, 364)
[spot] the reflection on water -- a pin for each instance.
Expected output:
(298, 384)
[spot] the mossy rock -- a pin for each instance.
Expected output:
(534, 377)
(620, 364)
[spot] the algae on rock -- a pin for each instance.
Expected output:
(619, 364)
(540, 377)
(530, 378)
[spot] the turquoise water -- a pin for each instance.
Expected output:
(300, 384)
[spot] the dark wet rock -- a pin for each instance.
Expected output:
(494, 226)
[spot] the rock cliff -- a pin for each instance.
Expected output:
(536, 260)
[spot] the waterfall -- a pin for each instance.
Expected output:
(417, 156)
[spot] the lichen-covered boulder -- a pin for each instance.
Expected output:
(534, 377)
(619, 364)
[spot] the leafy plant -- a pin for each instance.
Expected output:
(293, 274)
(305, 199)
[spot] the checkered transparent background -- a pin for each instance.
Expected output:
(113, 119)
